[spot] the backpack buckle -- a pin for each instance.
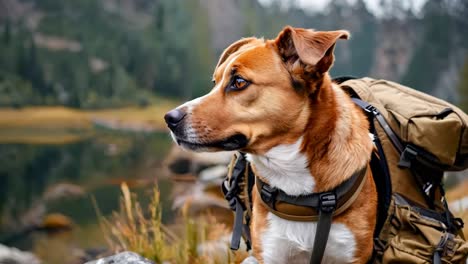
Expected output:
(327, 202)
(458, 223)
(407, 157)
(268, 194)
(371, 109)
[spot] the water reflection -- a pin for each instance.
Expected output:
(36, 180)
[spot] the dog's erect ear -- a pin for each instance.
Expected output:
(233, 48)
(313, 48)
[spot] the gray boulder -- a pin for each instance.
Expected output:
(125, 257)
(15, 256)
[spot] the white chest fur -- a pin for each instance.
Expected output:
(287, 241)
(285, 168)
(284, 241)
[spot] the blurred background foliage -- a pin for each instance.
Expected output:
(110, 53)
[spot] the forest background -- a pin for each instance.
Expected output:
(99, 54)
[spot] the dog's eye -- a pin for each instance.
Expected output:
(239, 83)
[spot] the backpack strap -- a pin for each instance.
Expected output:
(378, 164)
(407, 153)
(411, 157)
(380, 171)
(373, 111)
(237, 190)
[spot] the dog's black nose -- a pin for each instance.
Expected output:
(174, 117)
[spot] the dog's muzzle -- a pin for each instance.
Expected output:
(177, 123)
(174, 118)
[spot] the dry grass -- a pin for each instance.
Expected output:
(39, 137)
(140, 231)
(63, 117)
(152, 116)
(457, 193)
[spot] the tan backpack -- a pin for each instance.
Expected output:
(417, 138)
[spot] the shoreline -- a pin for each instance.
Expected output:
(61, 125)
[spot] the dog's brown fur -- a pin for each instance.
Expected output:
(290, 95)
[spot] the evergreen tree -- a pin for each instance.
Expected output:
(30, 68)
(7, 32)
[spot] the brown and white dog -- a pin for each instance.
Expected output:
(275, 100)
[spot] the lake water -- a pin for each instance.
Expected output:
(37, 180)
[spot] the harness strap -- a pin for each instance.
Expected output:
(305, 208)
(324, 204)
(238, 220)
(327, 207)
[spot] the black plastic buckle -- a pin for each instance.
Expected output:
(227, 189)
(268, 193)
(372, 109)
(327, 202)
(445, 246)
(407, 157)
(232, 203)
(458, 223)
(230, 194)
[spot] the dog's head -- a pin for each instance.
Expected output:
(262, 93)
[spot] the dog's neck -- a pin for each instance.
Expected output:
(334, 145)
(285, 167)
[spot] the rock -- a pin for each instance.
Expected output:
(196, 198)
(63, 191)
(214, 173)
(16, 256)
(180, 161)
(125, 257)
